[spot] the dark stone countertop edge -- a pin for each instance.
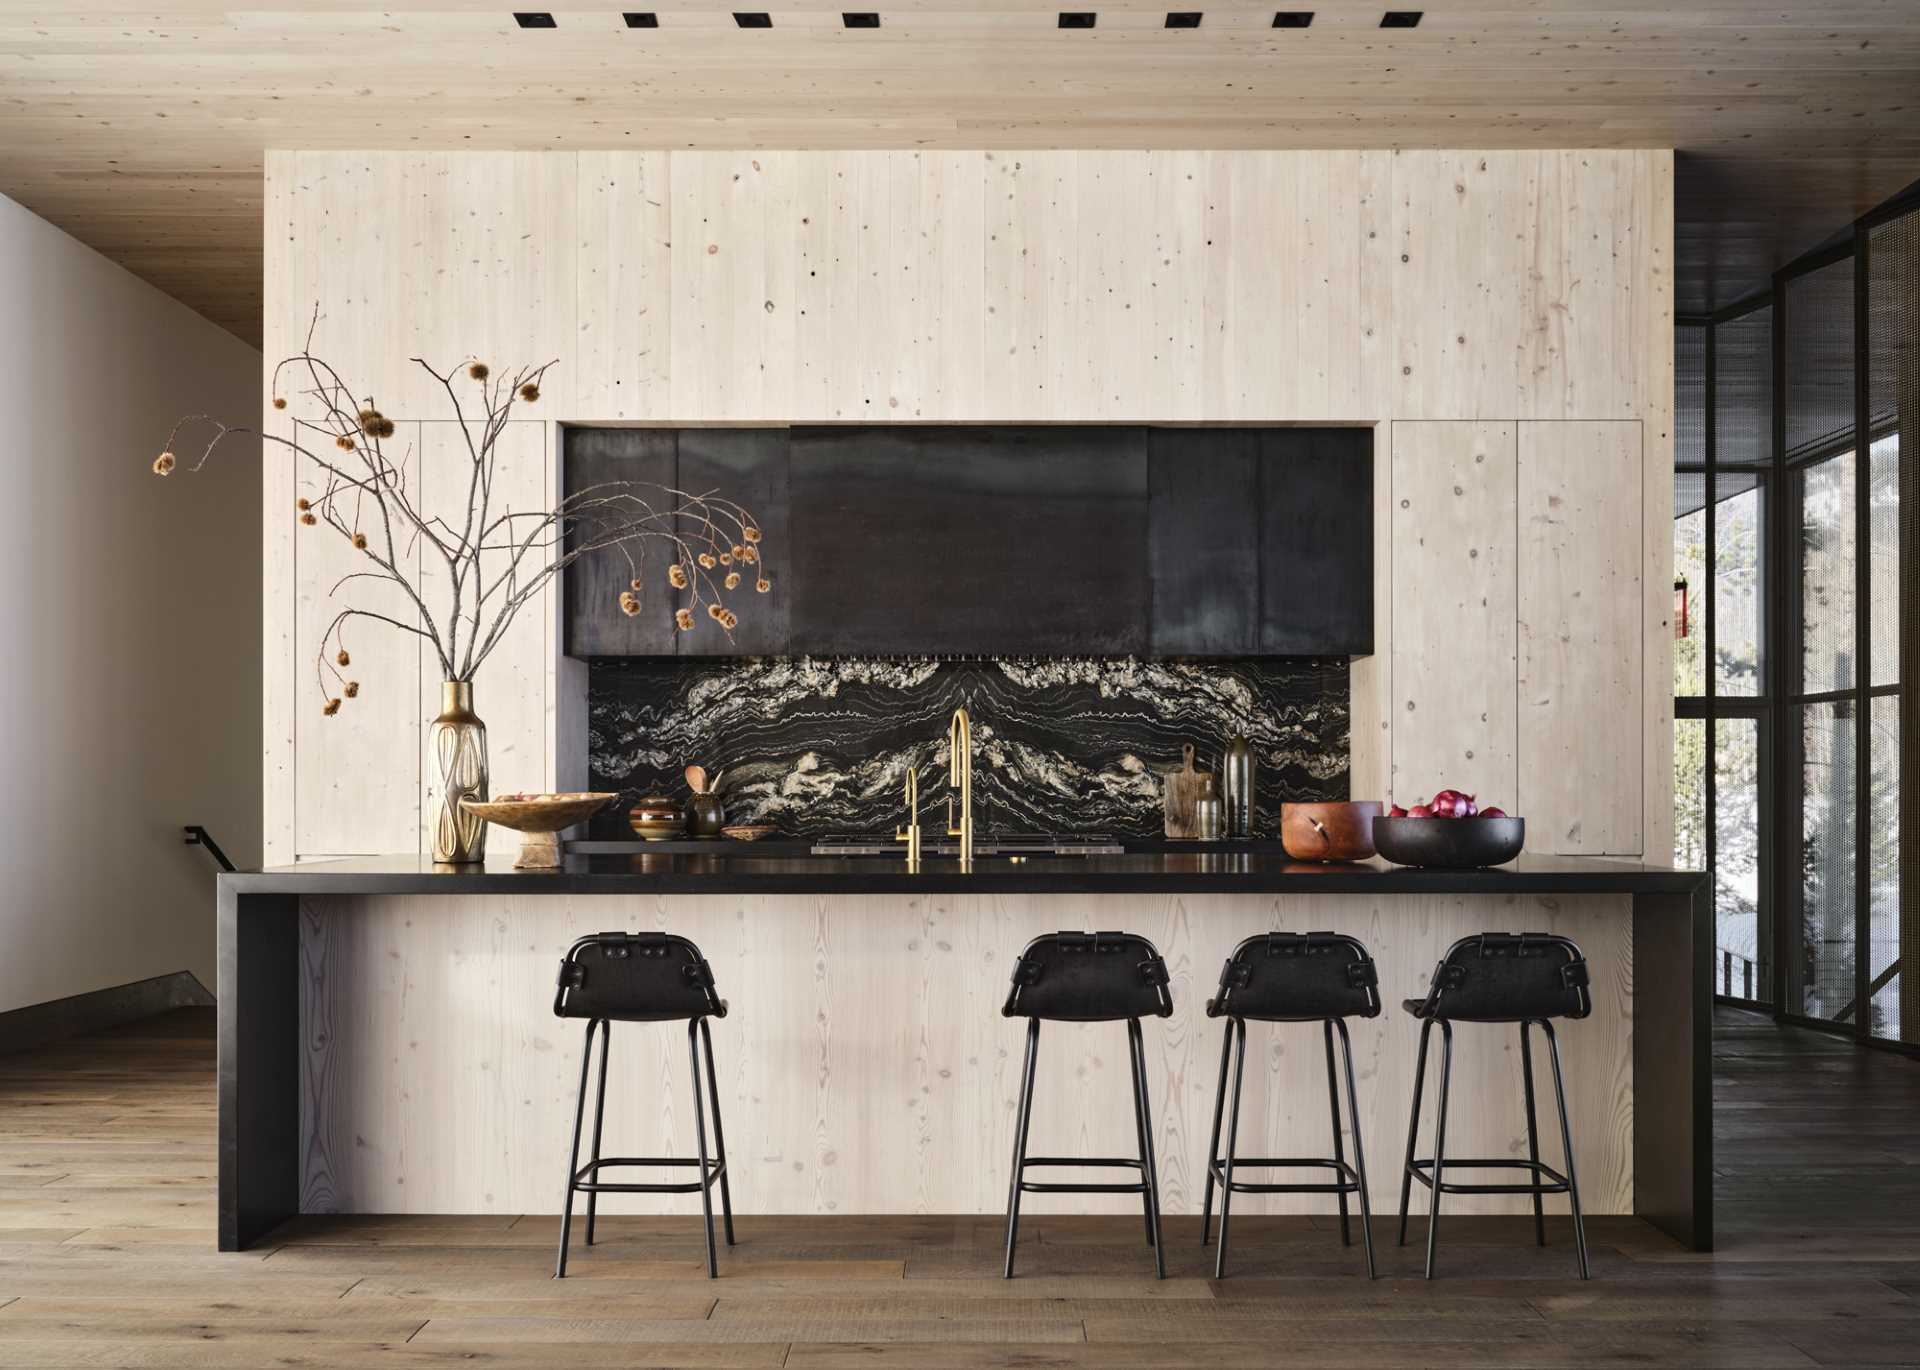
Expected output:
(1163, 873)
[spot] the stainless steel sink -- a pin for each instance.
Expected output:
(984, 844)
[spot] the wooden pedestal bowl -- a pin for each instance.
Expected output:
(540, 819)
(1329, 831)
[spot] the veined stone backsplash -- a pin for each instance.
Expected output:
(1060, 745)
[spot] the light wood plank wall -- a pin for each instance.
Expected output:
(1519, 292)
(866, 1068)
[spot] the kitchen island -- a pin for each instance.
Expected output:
(387, 1042)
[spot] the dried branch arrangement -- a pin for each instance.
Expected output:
(497, 559)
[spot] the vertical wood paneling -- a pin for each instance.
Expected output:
(357, 776)
(288, 266)
(623, 336)
(1452, 587)
(1581, 636)
(865, 1066)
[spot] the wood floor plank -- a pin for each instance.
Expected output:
(286, 1353)
(1025, 1328)
(1662, 1350)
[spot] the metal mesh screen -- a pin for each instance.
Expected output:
(1743, 388)
(1689, 394)
(1819, 360)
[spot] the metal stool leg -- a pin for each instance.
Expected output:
(1566, 1141)
(1020, 1141)
(1219, 1113)
(573, 1158)
(1140, 1127)
(1413, 1126)
(1439, 1142)
(719, 1133)
(1359, 1151)
(1339, 1149)
(1149, 1175)
(1533, 1131)
(700, 1135)
(599, 1116)
(1239, 1028)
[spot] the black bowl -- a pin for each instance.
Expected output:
(1449, 843)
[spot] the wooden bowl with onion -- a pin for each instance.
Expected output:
(1331, 831)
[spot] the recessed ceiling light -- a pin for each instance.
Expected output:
(534, 19)
(860, 21)
(641, 19)
(1077, 19)
(1293, 19)
(753, 19)
(1401, 19)
(1183, 19)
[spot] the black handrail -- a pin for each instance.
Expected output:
(198, 836)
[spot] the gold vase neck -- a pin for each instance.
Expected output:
(456, 696)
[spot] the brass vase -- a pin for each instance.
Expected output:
(457, 741)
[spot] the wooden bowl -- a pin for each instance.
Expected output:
(1456, 844)
(541, 818)
(749, 832)
(1341, 831)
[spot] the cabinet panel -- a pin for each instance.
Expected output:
(991, 540)
(1316, 542)
(747, 467)
(595, 624)
(1581, 636)
(1451, 582)
(1203, 539)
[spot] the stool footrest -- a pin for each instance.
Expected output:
(582, 1183)
(1124, 1162)
(1548, 1181)
(1349, 1182)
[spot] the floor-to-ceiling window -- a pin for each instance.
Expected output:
(1848, 389)
(1722, 668)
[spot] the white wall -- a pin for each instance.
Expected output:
(129, 623)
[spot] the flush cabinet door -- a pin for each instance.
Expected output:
(1316, 542)
(747, 467)
(596, 625)
(1203, 543)
(1452, 584)
(995, 541)
(1582, 637)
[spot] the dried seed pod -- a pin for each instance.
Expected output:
(341, 657)
(352, 689)
(478, 371)
(279, 402)
(360, 542)
(677, 576)
(705, 559)
(163, 464)
(530, 392)
(732, 582)
(716, 612)
(763, 585)
(303, 504)
(344, 443)
(749, 556)
(739, 551)
(309, 520)
(629, 603)
(635, 584)
(330, 708)
(750, 533)
(683, 619)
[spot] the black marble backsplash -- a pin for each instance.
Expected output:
(815, 746)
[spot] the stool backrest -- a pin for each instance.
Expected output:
(1508, 976)
(1089, 977)
(643, 976)
(1296, 977)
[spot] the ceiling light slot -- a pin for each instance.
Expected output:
(1078, 19)
(534, 19)
(1293, 19)
(1401, 19)
(641, 19)
(1183, 19)
(865, 20)
(753, 19)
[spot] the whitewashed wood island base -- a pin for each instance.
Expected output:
(387, 1041)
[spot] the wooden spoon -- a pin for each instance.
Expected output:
(697, 778)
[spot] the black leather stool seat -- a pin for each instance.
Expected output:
(1498, 977)
(1089, 977)
(1291, 977)
(642, 977)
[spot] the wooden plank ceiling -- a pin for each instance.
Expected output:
(140, 130)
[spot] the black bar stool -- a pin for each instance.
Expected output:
(642, 977)
(1089, 977)
(1498, 977)
(1292, 977)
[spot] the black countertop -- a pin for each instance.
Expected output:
(740, 871)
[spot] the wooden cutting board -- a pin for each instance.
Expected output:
(1185, 787)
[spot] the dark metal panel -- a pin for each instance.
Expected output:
(596, 626)
(1673, 1063)
(1203, 539)
(1316, 542)
(748, 467)
(1009, 541)
(258, 1034)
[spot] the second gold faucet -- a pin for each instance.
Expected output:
(960, 777)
